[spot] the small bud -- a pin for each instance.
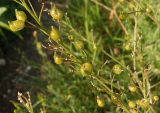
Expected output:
(156, 98)
(16, 25)
(86, 68)
(20, 15)
(55, 34)
(58, 59)
(100, 101)
(132, 88)
(56, 13)
(70, 37)
(131, 104)
(117, 69)
(79, 44)
(148, 10)
(128, 47)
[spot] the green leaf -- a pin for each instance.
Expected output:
(2, 10)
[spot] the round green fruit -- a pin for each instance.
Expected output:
(86, 68)
(117, 69)
(58, 59)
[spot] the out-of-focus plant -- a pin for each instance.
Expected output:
(109, 47)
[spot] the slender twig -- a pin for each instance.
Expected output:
(17, 2)
(32, 8)
(100, 4)
(40, 14)
(134, 46)
(156, 84)
(120, 22)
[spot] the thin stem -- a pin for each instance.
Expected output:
(40, 14)
(32, 8)
(100, 4)
(31, 13)
(40, 28)
(156, 84)
(134, 46)
(120, 22)
(17, 2)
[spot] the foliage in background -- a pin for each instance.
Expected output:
(107, 53)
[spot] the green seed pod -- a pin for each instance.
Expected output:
(56, 13)
(55, 34)
(156, 98)
(131, 104)
(16, 25)
(58, 59)
(148, 9)
(71, 37)
(86, 68)
(128, 47)
(132, 88)
(20, 15)
(100, 101)
(117, 69)
(79, 44)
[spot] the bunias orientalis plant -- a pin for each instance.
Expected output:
(120, 76)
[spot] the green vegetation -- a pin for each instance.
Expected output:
(106, 58)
